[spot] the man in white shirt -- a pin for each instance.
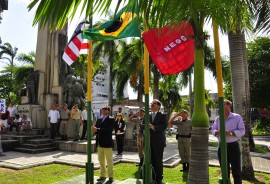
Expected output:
(12, 110)
(54, 117)
(84, 123)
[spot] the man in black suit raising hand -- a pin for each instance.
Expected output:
(158, 125)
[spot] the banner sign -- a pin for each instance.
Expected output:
(2, 105)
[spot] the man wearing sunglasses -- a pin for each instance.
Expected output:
(104, 142)
(158, 125)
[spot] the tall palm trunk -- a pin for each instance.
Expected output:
(110, 90)
(248, 118)
(140, 94)
(241, 103)
(156, 83)
(191, 96)
(200, 122)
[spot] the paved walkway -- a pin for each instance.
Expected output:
(17, 160)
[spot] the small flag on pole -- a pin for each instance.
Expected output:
(172, 50)
(77, 45)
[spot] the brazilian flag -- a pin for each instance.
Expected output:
(124, 24)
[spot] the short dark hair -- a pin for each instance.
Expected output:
(227, 102)
(156, 101)
(106, 107)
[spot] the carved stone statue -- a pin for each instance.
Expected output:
(73, 92)
(79, 94)
(32, 87)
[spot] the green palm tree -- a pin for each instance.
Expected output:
(7, 56)
(241, 20)
(169, 94)
(27, 58)
(129, 68)
(261, 10)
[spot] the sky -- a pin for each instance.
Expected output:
(16, 28)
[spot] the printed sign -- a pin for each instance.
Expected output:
(2, 105)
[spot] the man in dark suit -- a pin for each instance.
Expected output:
(104, 142)
(158, 125)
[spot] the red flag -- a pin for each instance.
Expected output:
(171, 49)
(77, 45)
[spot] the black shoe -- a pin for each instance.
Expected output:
(75, 140)
(141, 162)
(184, 167)
(101, 179)
(110, 179)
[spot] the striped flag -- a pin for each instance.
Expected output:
(77, 45)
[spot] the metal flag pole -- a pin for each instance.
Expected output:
(147, 174)
(89, 167)
(223, 145)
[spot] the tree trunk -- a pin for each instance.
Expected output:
(191, 96)
(199, 161)
(140, 95)
(110, 90)
(156, 83)
(247, 118)
(241, 103)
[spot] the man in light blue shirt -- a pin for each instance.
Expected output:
(235, 129)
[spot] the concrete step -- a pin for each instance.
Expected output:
(129, 148)
(39, 141)
(75, 146)
(35, 151)
(37, 146)
(22, 138)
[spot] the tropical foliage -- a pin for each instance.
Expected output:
(259, 72)
(14, 76)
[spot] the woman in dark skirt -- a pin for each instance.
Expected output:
(119, 127)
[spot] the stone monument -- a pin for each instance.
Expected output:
(45, 85)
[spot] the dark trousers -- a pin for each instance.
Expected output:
(16, 125)
(120, 143)
(84, 129)
(233, 159)
(53, 129)
(157, 163)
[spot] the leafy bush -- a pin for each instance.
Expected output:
(262, 126)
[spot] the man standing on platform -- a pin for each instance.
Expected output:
(235, 129)
(84, 123)
(183, 137)
(158, 125)
(64, 114)
(76, 114)
(54, 117)
(104, 142)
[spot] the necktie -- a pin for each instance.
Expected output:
(153, 115)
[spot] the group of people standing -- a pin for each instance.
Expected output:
(59, 122)
(104, 141)
(234, 130)
(234, 125)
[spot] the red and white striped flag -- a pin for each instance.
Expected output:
(77, 45)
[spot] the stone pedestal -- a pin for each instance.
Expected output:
(36, 113)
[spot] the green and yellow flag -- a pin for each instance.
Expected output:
(124, 24)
